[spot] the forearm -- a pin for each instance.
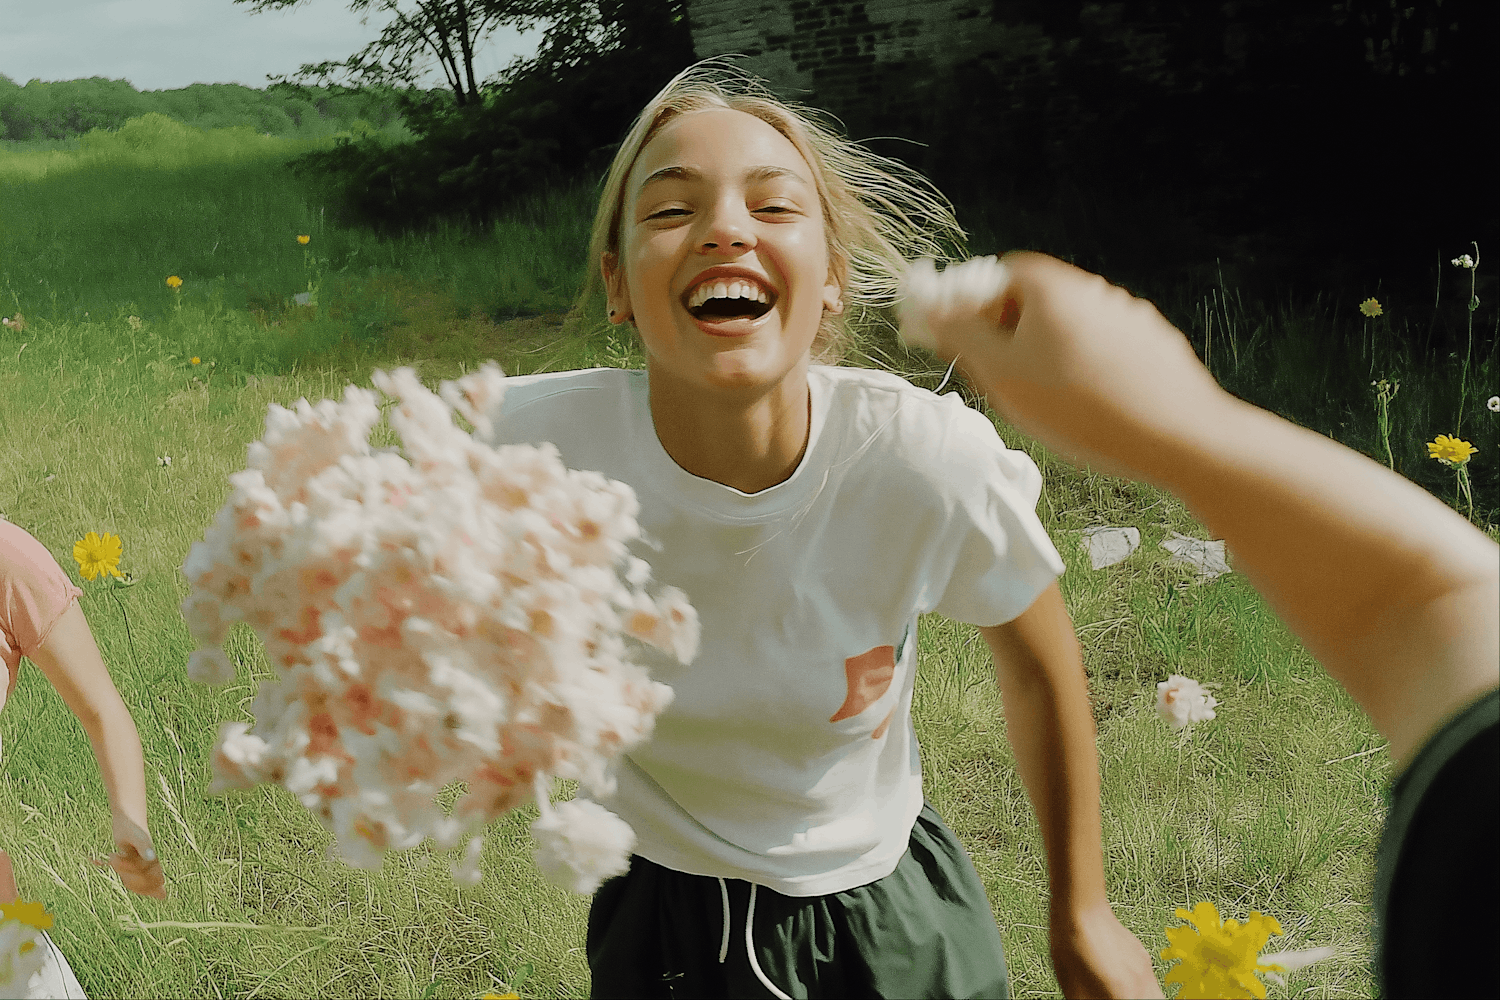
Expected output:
(117, 748)
(1051, 728)
(1389, 589)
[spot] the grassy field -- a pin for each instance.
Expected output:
(1273, 806)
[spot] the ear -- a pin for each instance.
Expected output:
(833, 297)
(614, 288)
(833, 292)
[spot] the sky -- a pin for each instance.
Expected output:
(166, 44)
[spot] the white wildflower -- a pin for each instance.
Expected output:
(579, 844)
(445, 612)
(930, 300)
(1494, 404)
(1181, 701)
(22, 955)
(164, 460)
(1465, 261)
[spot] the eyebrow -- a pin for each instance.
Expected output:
(680, 173)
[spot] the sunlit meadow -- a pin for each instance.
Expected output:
(127, 402)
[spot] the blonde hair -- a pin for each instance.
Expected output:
(878, 212)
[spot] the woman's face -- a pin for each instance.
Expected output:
(724, 262)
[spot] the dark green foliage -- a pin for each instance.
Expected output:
(1327, 144)
(554, 118)
(67, 109)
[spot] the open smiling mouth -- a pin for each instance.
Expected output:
(721, 303)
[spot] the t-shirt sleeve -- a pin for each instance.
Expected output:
(34, 593)
(996, 557)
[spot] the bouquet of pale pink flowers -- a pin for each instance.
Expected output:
(457, 614)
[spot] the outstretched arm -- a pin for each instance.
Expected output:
(1039, 669)
(70, 660)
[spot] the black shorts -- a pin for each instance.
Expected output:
(925, 930)
(1437, 871)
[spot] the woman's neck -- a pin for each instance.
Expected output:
(749, 441)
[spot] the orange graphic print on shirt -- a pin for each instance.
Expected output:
(869, 675)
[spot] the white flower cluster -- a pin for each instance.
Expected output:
(21, 957)
(1180, 701)
(458, 616)
(1466, 262)
(960, 290)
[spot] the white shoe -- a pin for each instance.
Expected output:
(55, 981)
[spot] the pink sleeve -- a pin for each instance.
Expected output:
(34, 593)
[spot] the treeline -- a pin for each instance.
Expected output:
(71, 108)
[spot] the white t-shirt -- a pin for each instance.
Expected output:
(788, 757)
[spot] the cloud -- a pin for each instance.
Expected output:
(166, 44)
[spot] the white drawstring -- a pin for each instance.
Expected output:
(750, 949)
(749, 939)
(724, 945)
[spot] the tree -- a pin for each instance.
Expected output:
(543, 121)
(448, 30)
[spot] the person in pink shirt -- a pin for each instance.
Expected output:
(40, 619)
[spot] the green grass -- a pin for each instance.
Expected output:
(1274, 805)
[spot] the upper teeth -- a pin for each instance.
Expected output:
(736, 289)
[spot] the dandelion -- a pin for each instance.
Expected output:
(1371, 307)
(1219, 958)
(1465, 261)
(174, 282)
(1450, 451)
(195, 360)
(164, 460)
(98, 555)
(1494, 404)
(304, 240)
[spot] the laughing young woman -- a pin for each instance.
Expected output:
(812, 514)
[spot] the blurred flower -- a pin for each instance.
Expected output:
(16, 322)
(134, 321)
(21, 927)
(1494, 404)
(96, 555)
(1450, 451)
(164, 460)
(451, 611)
(32, 914)
(195, 360)
(1219, 958)
(174, 282)
(1466, 262)
(931, 299)
(303, 240)
(1181, 701)
(1370, 307)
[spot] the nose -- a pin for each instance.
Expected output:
(728, 232)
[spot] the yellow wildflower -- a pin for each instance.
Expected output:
(174, 282)
(33, 914)
(96, 555)
(1451, 450)
(196, 360)
(1219, 958)
(1370, 307)
(304, 240)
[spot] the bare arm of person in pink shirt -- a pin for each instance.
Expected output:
(70, 660)
(32, 587)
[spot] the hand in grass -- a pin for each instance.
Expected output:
(1094, 955)
(135, 862)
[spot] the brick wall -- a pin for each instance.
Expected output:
(861, 61)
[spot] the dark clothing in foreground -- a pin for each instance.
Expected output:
(1437, 872)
